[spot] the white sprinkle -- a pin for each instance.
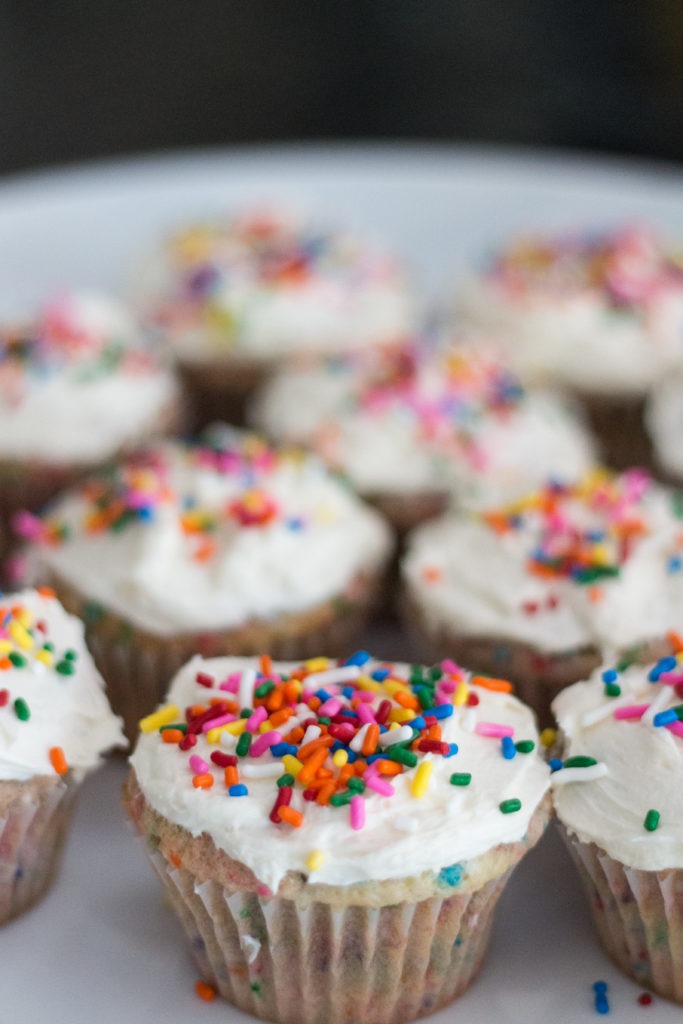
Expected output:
(605, 710)
(391, 736)
(311, 733)
(331, 676)
(406, 824)
(661, 701)
(228, 740)
(250, 947)
(270, 770)
(246, 688)
(588, 774)
(358, 740)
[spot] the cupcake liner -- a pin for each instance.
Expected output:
(618, 421)
(34, 817)
(137, 665)
(638, 916)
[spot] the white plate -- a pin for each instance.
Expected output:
(102, 945)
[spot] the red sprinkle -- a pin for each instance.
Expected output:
(284, 795)
(224, 760)
(644, 998)
(4, 697)
(188, 742)
(204, 679)
(472, 700)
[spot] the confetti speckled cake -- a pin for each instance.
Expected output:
(334, 835)
(55, 724)
(618, 796)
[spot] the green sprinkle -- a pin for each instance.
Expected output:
(435, 673)
(65, 668)
(339, 799)
(403, 756)
(181, 726)
(651, 820)
(580, 761)
(70, 655)
(510, 806)
(18, 660)
(264, 689)
(49, 646)
(255, 987)
(612, 690)
(285, 780)
(461, 778)
(243, 744)
(355, 784)
(92, 612)
(21, 709)
(324, 720)
(425, 697)
(677, 504)
(246, 712)
(524, 746)
(416, 675)
(244, 913)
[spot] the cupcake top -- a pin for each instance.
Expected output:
(618, 782)
(54, 716)
(209, 535)
(78, 383)
(415, 420)
(265, 285)
(664, 420)
(595, 563)
(367, 770)
(602, 312)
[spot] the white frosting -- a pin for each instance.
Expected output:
(152, 573)
(452, 824)
(90, 387)
(383, 443)
(67, 711)
(664, 420)
(346, 295)
(642, 771)
(472, 580)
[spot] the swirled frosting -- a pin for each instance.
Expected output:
(601, 313)
(266, 285)
(596, 563)
(387, 810)
(618, 785)
(52, 698)
(450, 420)
(79, 383)
(209, 535)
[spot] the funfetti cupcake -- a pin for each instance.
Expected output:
(599, 314)
(413, 428)
(239, 296)
(538, 590)
(336, 855)
(78, 385)
(618, 796)
(223, 545)
(55, 725)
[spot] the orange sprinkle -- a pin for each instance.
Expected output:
(432, 574)
(5, 664)
(595, 594)
(174, 859)
(280, 717)
(294, 735)
(291, 816)
(266, 664)
(488, 683)
(46, 591)
(198, 709)
(407, 700)
(325, 792)
(231, 775)
(370, 740)
(58, 761)
(291, 691)
(311, 747)
(345, 773)
(386, 767)
(204, 991)
(675, 640)
(172, 735)
(275, 700)
(314, 703)
(205, 550)
(203, 781)
(324, 773)
(311, 766)
(497, 521)
(359, 766)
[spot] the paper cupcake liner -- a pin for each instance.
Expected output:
(638, 916)
(137, 666)
(618, 421)
(34, 817)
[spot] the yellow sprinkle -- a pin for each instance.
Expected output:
(24, 616)
(20, 634)
(317, 665)
(339, 758)
(6, 646)
(461, 693)
(45, 657)
(600, 554)
(421, 780)
(401, 715)
(392, 686)
(366, 683)
(265, 726)
(234, 728)
(325, 514)
(548, 737)
(158, 718)
(394, 725)
(316, 858)
(214, 735)
(292, 765)
(679, 657)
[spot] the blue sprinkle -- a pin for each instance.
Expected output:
(280, 749)
(380, 674)
(663, 665)
(359, 658)
(508, 746)
(337, 745)
(452, 749)
(600, 987)
(323, 695)
(452, 875)
(146, 513)
(374, 757)
(554, 764)
(442, 711)
(383, 728)
(595, 536)
(238, 790)
(674, 564)
(348, 692)
(664, 717)
(353, 756)
(348, 713)
(501, 653)
(295, 524)
(417, 723)
(610, 676)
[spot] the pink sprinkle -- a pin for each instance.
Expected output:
(374, 781)
(494, 730)
(366, 696)
(231, 684)
(447, 685)
(306, 695)
(199, 765)
(671, 678)
(448, 665)
(213, 723)
(28, 526)
(264, 742)
(365, 714)
(256, 718)
(357, 812)
(330, 707)
(675, 727)
(631, 711)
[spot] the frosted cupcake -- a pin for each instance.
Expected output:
(338, 853)
(600, 314)
(55, 724)
(411, 428)
(618, 797)
(538, 590)
(222, 546)
(77, 386)
(237, 297)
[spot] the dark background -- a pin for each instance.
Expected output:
(89, 79)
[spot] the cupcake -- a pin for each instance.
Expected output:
(599, 314)
(77, 386)
(539, 589)
(55, 724)
(222, 546)
(336, 855)
(617, 796)
(237, 297)
(414, 427)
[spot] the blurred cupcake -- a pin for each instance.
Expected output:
(600, 314)
(539, 589)
(55, 724)
(618, 797)
(222, 546)
(338, 858)
(236, 298)
(77, 386)
(411, 428)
